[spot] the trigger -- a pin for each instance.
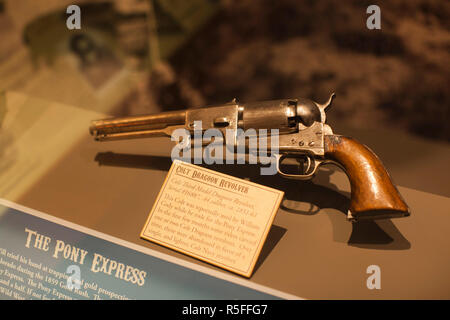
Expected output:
(308, 165)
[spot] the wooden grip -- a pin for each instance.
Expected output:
(373, 195)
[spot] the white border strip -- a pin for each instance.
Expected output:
(150, 252)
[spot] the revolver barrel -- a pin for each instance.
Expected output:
(153, 125)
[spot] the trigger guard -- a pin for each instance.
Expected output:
(306, 176)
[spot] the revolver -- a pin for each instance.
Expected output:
(302, 134)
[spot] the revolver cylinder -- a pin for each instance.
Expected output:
(284, 115)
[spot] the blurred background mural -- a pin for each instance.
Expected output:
(133, 57)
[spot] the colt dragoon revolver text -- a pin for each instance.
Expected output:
(302, 135)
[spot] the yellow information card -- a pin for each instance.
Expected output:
(212, 216)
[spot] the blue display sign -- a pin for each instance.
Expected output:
(43, 257)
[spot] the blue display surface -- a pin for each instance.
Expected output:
(43, 259)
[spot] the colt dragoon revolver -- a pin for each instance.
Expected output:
(302, 134)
